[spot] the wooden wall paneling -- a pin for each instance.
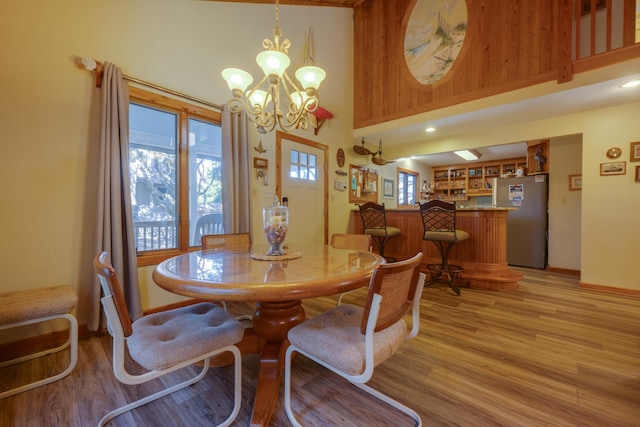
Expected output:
(514, 50)
(548, 37)
(520, 60)
(576, 47)
(564, 22)
(608, 32)
(484, 46)
(592, 31)
(379, 31)
(629, 13)
(487, 65)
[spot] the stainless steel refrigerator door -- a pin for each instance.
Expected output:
(527, 226)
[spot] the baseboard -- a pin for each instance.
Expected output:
(14, 349)
(563, 271)
(610, 289)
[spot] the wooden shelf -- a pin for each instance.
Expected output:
(459, 182)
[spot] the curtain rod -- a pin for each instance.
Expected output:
(92, 65)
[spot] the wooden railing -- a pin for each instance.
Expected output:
(153, 235)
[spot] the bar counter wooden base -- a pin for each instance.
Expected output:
(483, 256)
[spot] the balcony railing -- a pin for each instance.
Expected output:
(154, 235)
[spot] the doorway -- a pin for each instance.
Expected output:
(301, 184)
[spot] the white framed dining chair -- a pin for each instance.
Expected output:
(351, 341)
(166, 341)
(360, 242)
(232, 242)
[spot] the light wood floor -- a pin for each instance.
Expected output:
(548, 354)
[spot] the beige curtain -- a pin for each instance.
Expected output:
(114, 225)
(236, 193)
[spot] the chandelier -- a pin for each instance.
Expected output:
(265, 106)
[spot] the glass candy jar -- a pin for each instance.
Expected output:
(276, 223)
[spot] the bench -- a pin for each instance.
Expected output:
(21, 308)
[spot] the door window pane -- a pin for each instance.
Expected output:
(303, 165)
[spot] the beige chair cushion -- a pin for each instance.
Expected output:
(446, 236)
(335, 338)
(379, 232)
(19, 306)
(161, 340)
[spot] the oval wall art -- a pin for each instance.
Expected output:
(434, 36)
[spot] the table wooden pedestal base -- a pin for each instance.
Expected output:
(271, 324)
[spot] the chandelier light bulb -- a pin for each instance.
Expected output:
(259, 97)
(310, 76)
(299, 98)
(237, 79)
(273, 62)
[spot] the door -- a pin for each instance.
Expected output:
(302, 185)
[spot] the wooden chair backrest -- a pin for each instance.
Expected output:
(240, 242)
(396, 282)
(438, 215)
(361, 242)
(207, 224)
(373, 215)
(111, 287)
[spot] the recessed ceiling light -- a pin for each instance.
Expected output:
(468, 154)
(632, 83)
(430, 129)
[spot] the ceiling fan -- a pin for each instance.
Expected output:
(362, 150)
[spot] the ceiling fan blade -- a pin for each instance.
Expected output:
(361, 150)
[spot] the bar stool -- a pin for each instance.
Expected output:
(439, 222)
(374, 223)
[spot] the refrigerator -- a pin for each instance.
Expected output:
(527, 231)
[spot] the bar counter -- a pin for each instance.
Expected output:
(483, 256)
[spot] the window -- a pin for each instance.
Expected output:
(175, 163)
(303, 165)
(407, 187)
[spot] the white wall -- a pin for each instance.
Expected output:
(565, 207)
(48, 109)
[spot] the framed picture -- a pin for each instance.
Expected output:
(635, 152)
(613, 168)
(575, 182)
(637, 173)
(388, 188)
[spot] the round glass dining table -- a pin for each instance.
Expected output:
(277, 285)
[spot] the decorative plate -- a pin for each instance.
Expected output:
(614, 153)
(433, 38)
(519, 172)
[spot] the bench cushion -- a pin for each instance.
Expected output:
(19, 306)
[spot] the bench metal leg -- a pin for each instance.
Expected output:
(71, 342)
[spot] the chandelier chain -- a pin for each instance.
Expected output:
(269, 108)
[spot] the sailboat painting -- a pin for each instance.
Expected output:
(434, 36)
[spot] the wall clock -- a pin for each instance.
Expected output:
(614, 153)
(340, 157)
